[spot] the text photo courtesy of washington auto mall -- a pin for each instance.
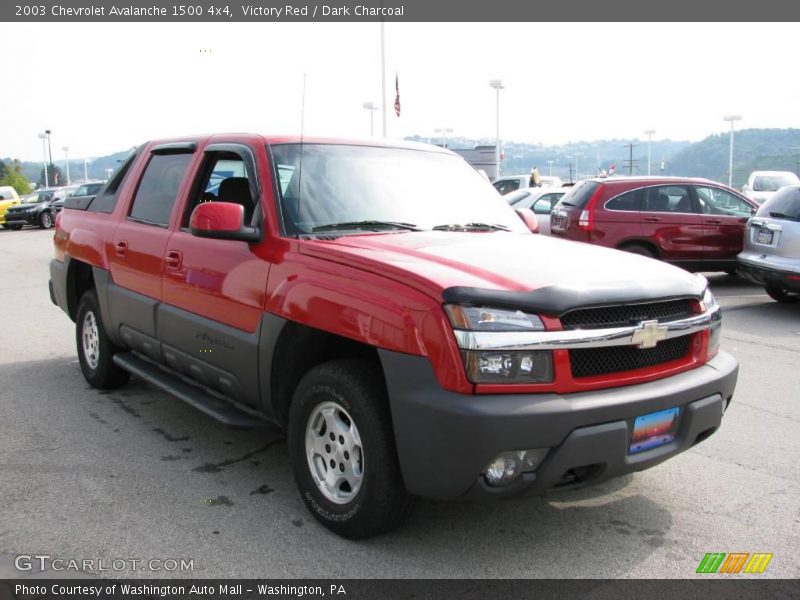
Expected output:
(306, 297)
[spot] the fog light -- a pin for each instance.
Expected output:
(507, 466)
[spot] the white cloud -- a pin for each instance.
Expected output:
(126, 83)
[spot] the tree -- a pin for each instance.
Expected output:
(3, 169)
(55, 177)
(14, 177)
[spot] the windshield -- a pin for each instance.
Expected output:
(87, 189)
(772, 183)
(367, 186)
(36, 197)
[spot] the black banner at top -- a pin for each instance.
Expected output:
(195, 11)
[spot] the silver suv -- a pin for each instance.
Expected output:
(771, 255)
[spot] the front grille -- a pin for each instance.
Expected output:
(589, 362)
(632, 314)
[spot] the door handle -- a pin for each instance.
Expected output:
(173, 259)
(713, 221)
(121, 248)
(652, 219)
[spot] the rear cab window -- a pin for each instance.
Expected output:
(158, 188)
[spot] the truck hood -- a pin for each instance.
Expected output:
(501, 265)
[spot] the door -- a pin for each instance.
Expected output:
(542, 207)
(671, 221)
(724, 218)
(136, 257)
(214, 289)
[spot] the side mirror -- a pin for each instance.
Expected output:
(529, 218)
(222, 221)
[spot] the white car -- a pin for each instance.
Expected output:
(512, 183)
(540, 200)
(762, 185)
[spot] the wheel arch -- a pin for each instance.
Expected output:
(296, 350)
(640, 242)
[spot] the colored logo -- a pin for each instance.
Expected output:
(735, 562)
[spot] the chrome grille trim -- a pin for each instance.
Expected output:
(579, 338)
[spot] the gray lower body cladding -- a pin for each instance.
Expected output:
(445, 440)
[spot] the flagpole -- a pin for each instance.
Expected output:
(383, 80)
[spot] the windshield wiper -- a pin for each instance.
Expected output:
(780, 215)
(470, 227)
(372, 225)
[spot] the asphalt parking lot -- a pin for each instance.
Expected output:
(136, 474)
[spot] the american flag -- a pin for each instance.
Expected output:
(397, 97)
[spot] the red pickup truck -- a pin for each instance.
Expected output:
(383, 304)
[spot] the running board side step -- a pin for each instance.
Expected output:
(172, 383)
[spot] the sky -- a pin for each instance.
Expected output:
(105, 87)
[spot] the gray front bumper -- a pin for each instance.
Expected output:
(445, 439)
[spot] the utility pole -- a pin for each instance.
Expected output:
(631, 163)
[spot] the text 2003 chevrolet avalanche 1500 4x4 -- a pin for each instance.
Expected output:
(384, 305)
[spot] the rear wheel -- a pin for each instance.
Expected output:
(639, 249)
(782, 295)
(46, 220)
(342, 448)
(95, 350)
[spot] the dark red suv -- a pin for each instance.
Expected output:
(694, 223)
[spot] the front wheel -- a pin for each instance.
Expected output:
(46, 220)
(783, 296)
(95, 350)
(343, 453)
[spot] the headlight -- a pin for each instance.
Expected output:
(709, 301)
(477, 318)
(501, 366)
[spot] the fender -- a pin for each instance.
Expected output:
(367, 308)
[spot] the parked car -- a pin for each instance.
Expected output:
(86, 189)
(539, 200)
(512, 183)
(762, 185)
(35, 208)
(399, 322)
(8, 198)
(693, 223)
(771, 255)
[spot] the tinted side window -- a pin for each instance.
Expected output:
(629, 201)
(106, 199)
(225, 179)
(719, 202)
(158, 188)
(672, 198)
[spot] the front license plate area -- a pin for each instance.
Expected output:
(764, 236)
(654, 429)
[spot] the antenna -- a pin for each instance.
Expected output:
(300, 162)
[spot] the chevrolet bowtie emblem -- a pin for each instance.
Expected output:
(649, 335)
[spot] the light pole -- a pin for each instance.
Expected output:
(497, 85)
(383, 80)
(66, 161)
(649, 133)
(108, 172)
(43, 137)
(85, 170)
(371, 108)
(732, 119)
(550, 168)
(444, 131)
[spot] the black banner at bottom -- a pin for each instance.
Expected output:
(389, 589)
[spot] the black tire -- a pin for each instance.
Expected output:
(46, 219)
(639, 249)
(381, 503)
(783, 296)
(99, 369)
